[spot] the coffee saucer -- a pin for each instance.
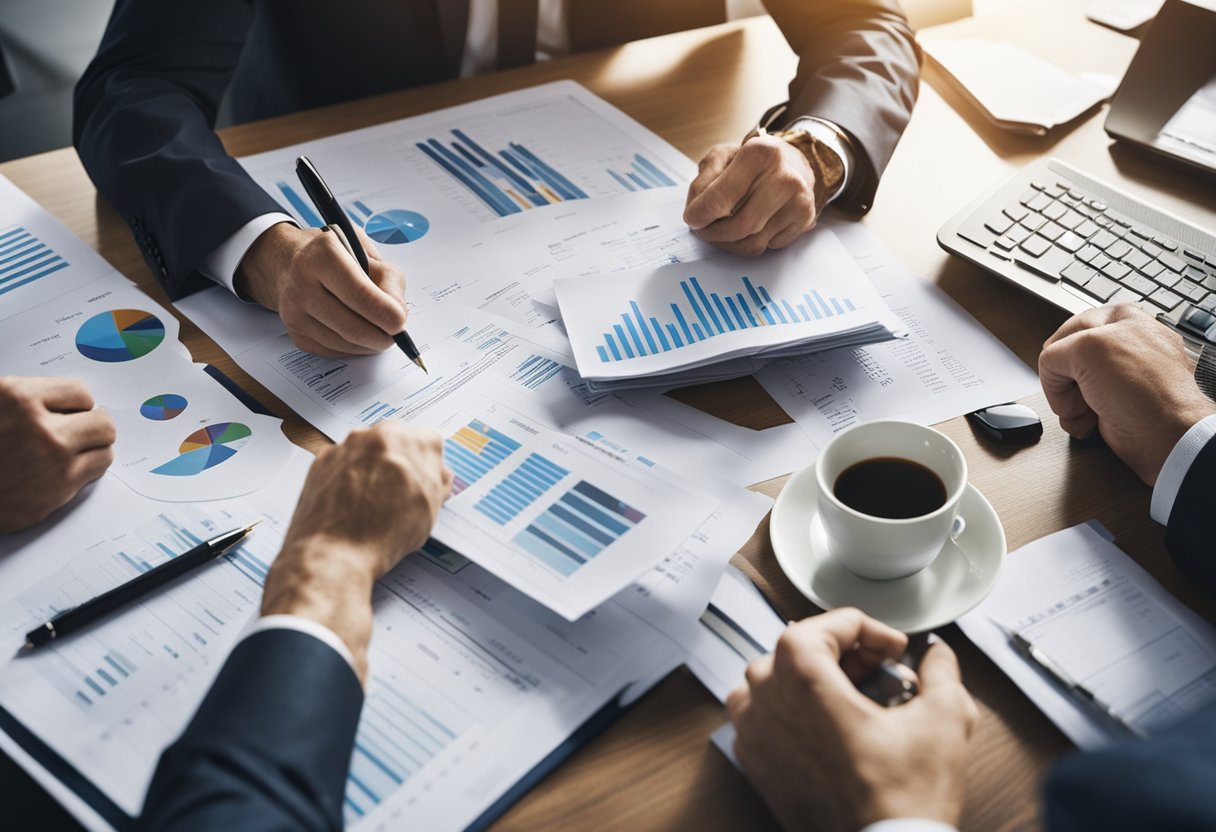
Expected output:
(957, 580)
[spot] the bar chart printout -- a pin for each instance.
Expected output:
(701, 315)
(474, 451)
(576, 528)
(24, 259)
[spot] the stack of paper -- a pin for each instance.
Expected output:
(686, 323)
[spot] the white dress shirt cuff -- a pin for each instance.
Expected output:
(829, 134)
(221, 264)
(302, 625)
(1169, 481)
(909, 825)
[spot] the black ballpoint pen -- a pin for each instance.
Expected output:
(323, 198)
(79, 617)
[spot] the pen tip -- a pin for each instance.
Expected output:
(25, 648)
(419, 362)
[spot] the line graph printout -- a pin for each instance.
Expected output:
(655, 322)
(421, 182)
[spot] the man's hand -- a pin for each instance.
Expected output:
(53, 443)
(366, 504)
(750, 198)
(825, 757)
(329, 306)
(1118, 371)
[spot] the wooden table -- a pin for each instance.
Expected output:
(655, 769)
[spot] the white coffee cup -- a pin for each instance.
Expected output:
(881, 548)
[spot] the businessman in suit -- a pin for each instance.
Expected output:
(270, 745)
(54, 442)
(146, 106)
(825, 757)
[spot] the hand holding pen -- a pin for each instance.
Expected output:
(326, 300)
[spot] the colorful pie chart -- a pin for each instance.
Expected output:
(119, 335)
(206, 448)
(396, 227)
(163, 408)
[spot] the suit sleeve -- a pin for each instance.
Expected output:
(1189, 536)
(858, 67)
(1162, 783)
(270, 746)
(143, 125)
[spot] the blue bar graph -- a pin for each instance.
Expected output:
(705, 314)
(303, 207)
(396, 738)
(582, 523)
(521, 488)
(642, 175)
(474, 451)
(24, 259)
(535, 370)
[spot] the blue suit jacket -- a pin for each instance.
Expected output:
(270, 746)
(1168, 782)
(146, 105)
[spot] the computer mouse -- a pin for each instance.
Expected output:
(1011, 423)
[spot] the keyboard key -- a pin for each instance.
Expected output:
(1120, 219)
(1077, 274)
(999, 224)
(1119, 231)
(1027, 196)
(1139, 284)
(1071, 220)
(1049, 265)
(1169, 261)
(1192, 273)
(1168, 245)
(1055, 210)
(1018, 233)
(1103, 220)
(1142, 232)
(1116, 270)
(1119, 250)
(1209, 283)
(1104, 240)
(1075, 194)
(1088, 253)
(1125, 295)
(1038, 186)
(1051, 231)
(1189, 290)
(1032, 222)
(1065, 184)
(1056, 191)
(1151, 250)
(1035, 246)
(1097, 205)
(1100, 261)
(1153, 269)
(1070, 242)
(1194, 255)
(1086, 229)
(1005, 243)
(1208, 304)
(1136, 258)
(1100, 287)
(1015, 212)
(1166, 278)
(1166, 299)
(1039, 202)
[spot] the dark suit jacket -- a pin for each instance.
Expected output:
(146, 106)
(1168, 782)
(270, 746)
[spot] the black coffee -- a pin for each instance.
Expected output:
(890, 487)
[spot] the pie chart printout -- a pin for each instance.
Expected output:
(206, 448)
(396, 227)
(119, 335)
(163, 408)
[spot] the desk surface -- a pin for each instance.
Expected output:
(655, 769)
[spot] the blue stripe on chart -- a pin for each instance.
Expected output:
(302, 208)
(696, 285)
(637, 314)
(650, 167)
